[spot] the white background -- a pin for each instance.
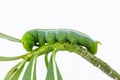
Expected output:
(98, 18)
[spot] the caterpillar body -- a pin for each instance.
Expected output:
(41, 36)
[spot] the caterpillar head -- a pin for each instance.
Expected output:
(28, 41)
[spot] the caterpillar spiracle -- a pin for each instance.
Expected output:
(41, 36)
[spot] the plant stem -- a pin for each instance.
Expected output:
(83, 53)
(78, 49)
(95, 61)
(99, 64)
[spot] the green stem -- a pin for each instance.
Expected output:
(94, 60)
(98, 63)
(83, 53)
(71, 48)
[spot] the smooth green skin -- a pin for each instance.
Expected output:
(41, 37)
(50, 36)
(28, 41)
(33, 37)
(61, 36)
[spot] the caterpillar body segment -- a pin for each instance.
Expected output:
(41, 37)
(61, 36)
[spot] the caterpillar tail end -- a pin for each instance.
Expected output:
(99, 42)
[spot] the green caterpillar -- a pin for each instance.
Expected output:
(41, 36)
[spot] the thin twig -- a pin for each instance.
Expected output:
(83, 52)
(98, 63)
